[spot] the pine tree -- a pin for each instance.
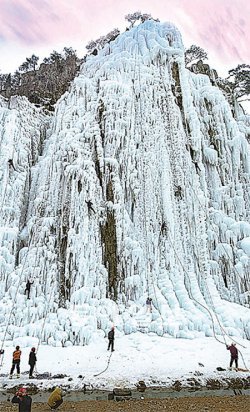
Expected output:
(138, 16)
(99, 43)
(194, 53)
(29, 64)
(240, 80)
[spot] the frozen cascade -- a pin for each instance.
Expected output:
(137, 186)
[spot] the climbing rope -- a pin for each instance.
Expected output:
(199, 303)
(45, 317)
(104, 370)
(4, 193)
(208, 291)
(222, 329)
(15, 296)
(145, 165)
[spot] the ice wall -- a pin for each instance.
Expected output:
(141, 188)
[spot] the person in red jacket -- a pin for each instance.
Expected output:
(234, 354)
(23, 400)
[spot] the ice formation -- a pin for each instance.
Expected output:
(137, 186)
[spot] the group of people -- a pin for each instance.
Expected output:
(56, 398)
(24, 401)
(16, 357)
(16, 360)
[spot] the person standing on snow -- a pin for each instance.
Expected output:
(32, 361)
(111, 338)
(28, 286)
(234, 355)
(16, 362)
(55, 399)
(24, 401)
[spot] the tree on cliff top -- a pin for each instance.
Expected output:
(29, 64)
(240, 80)
(194, 53)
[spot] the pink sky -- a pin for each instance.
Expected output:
(221, 27)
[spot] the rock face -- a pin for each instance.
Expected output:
(137, 186)
(44, 86)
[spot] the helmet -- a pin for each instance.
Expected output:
(22, 392)
(33, 349)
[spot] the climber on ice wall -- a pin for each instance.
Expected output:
(149, 305)
(11, 164)
(27, 289)
(90, 206)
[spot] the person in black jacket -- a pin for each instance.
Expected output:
(32, 361)
(24, 401)
(28, 286)
(111, 338)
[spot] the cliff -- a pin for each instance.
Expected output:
(137, 186)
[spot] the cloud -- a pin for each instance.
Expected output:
(221, 27)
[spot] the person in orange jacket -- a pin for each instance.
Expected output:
(16, 362)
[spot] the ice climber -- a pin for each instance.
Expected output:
(56, 398)
(90, 206)
(234, 355)
(149, 304)
(32, 361)
(16, 362)
(11, 164)
(24, 401)
(28, 286)
(111, 338)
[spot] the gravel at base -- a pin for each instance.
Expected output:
(213, 404)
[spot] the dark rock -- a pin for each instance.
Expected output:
(59, 376)
(213, 384)
(123, 398)
(110, 396)
(122, 392)
(177, 386)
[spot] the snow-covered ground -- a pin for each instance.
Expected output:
(156, 360)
